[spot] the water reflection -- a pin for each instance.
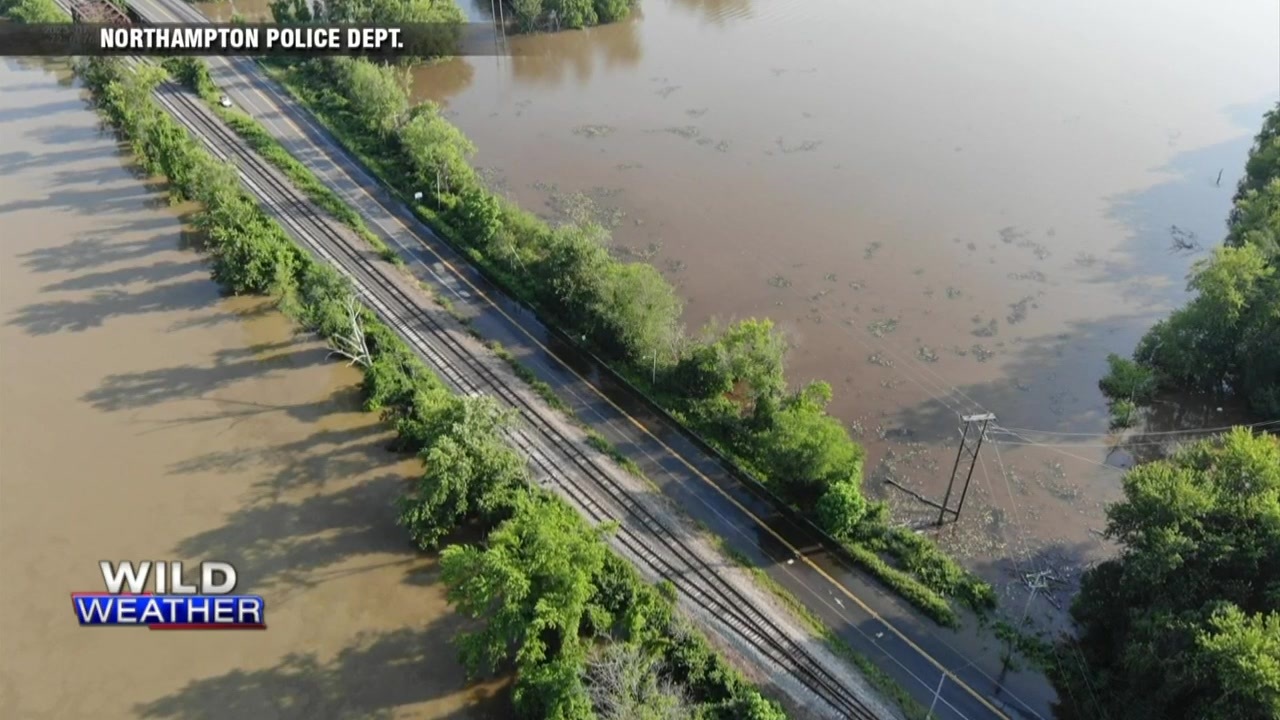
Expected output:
(441, 80)
(552, 59)
(717, 12)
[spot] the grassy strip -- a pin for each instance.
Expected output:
(889, 687)
(543, 390)
(251, 254)
(936, 576)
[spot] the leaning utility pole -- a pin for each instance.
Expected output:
(969, 420)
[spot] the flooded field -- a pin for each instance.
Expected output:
(145, 417)
(948, 207)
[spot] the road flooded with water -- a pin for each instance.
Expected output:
(146, 417)
(948, 207)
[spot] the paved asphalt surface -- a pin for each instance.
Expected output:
(918, 654)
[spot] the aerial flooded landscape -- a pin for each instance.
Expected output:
(681, 358)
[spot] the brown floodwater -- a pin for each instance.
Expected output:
(143, 416)
(948, 207)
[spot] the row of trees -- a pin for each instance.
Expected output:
(1185, 623)
(585, 635)
(727, 382)
(1226, 340)
(528, 14)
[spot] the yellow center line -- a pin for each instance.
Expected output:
(740, 507)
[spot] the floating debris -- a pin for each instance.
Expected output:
(855, 285)
(623, 167)
(918, 271)
(878, 359)
(972, 247)
(1033, 276)
(981, 353)
(880, 328)
(695, 112)
(665, 92)
(1019, 310)
(804, 146)
(779, 281)
(688, 132)
(927, 354)
(872, 249)
(954, 293)
(829, 277)
(594, 131)
(675, 265)
(1086, 259)
(819, 295)
(989, 329)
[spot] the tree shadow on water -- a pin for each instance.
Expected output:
(47, 318)
(130, 391)
(279, 544)
(91, 252)
(371, 678)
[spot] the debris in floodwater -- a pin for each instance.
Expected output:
(688, 132)
(1020, 310)
(855, 285)
(829, 277)
(819, 295)
(856, 429)
(705, 141)
(878, 359)
(804, 146)
(918, 271)
(594, 131)
(722, 146)
(981, 353)
(779, 281)
(880, 328)
(1024, 387)
(695, 112)
(665, 92)
(928, 292)
(1183, 241)
(927, 354)
(959, 351)
(1010, 234)
(972, 246)
(872, 249)
(675, 265)
(1086, 259)
(1033, 276)
(990, 329)
(953, 293)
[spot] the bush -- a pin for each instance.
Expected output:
(545, 587)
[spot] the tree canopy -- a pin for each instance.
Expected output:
(1185, 623)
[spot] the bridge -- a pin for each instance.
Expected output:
(102, 12)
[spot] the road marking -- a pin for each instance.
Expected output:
(252, 88)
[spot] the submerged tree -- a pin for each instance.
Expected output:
(1185, 623)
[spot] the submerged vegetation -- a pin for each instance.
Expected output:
(727, 383)
(586, 636)
(1185, 623)
(1226, 340)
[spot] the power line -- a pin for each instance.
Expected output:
(1195, 431)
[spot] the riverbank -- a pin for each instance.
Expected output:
(628, 313)
(146, 416)
(473, 477)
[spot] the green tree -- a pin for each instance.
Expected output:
(379, 94)
(529, 587)
(1182, 624)
(438, 152)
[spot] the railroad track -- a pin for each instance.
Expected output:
(538, 439)
(466, 373)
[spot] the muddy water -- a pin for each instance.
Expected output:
(146, 417)
(926, 196)
(948, 207)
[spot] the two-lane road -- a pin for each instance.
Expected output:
(912, 651)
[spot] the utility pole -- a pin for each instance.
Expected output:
(969, 420)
